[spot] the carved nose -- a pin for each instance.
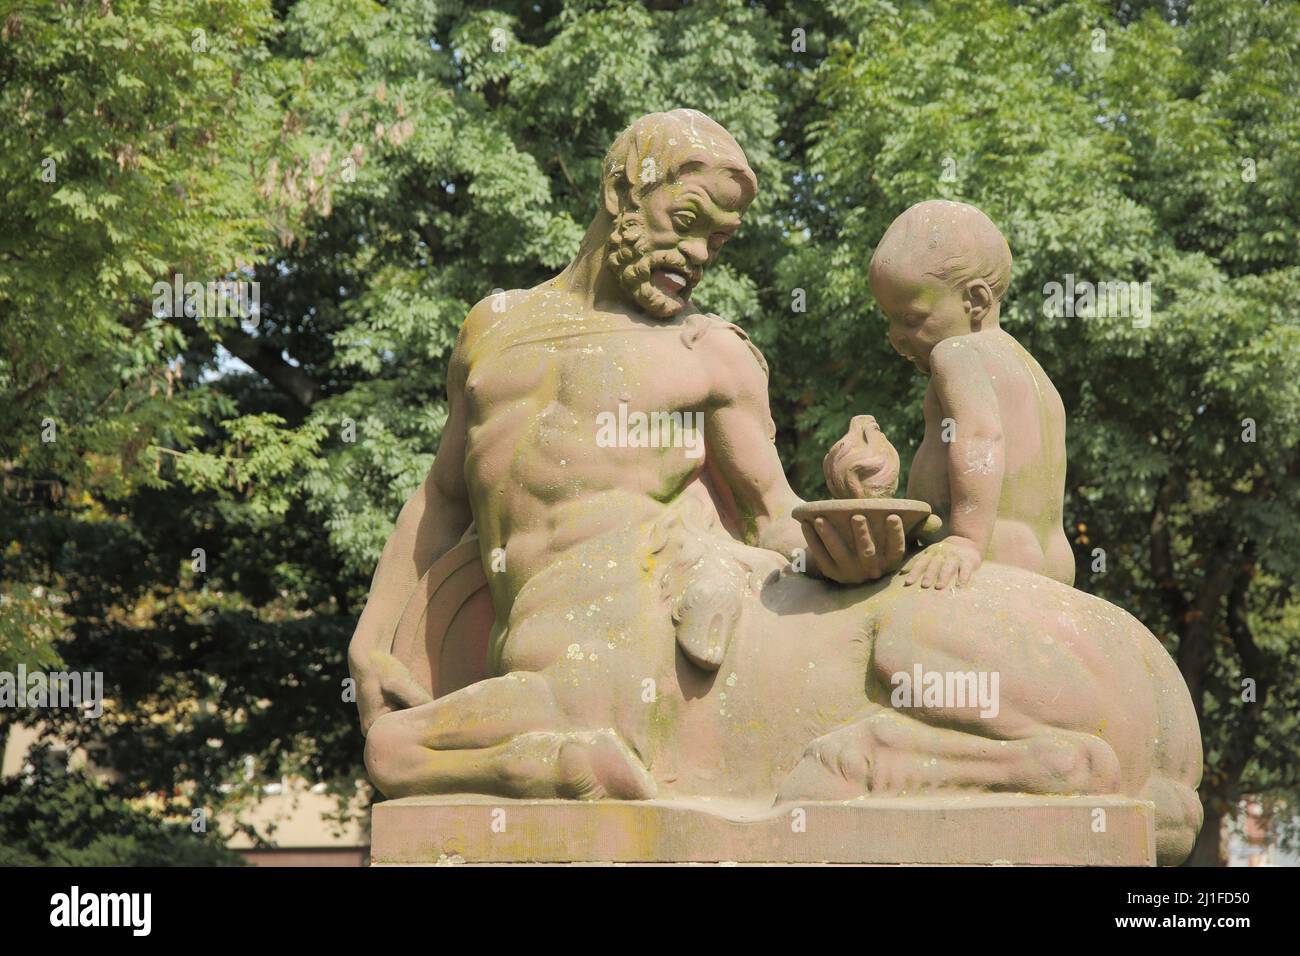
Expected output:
(696, 251)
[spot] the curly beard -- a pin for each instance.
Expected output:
(633, 261)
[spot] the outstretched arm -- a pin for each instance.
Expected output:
(431, 522)
(743, 461)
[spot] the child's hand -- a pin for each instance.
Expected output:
(938, 564)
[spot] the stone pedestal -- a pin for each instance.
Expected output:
(976, 830)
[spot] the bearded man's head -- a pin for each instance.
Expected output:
(675, 185)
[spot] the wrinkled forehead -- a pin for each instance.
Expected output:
(721, 190)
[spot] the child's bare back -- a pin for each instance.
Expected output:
(1027, 414)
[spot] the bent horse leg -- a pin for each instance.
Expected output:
(885, 751)
(500, 736)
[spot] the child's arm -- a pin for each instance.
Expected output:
(976, 464)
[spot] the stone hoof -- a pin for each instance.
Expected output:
(832, 768)
(597, 765)
(1068, 762)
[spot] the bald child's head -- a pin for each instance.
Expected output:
(952, 241)
(941, 269)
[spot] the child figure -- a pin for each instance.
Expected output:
(992, 463)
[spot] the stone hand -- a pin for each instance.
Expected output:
(859, 560)
(937, 566)
(384, 685)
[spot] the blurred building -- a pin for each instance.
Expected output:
(1253, 838)
(296, 816)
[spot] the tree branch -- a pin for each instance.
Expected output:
(265, 359)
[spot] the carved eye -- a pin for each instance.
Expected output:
(684, 219)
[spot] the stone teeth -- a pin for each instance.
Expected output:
(677, 278)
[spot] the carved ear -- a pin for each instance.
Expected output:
(616, 185)
(979, 302)
(612, 191)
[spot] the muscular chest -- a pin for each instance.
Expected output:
(578, 370)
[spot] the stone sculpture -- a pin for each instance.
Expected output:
(992, 462)
(602, 591)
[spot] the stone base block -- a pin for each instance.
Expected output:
(978, 830)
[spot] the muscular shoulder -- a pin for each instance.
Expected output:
(728, 349)
(737, 370)
(486, 316)
(488, 312)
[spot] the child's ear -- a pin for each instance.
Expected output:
(979, 302)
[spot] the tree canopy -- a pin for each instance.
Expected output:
(193, 503)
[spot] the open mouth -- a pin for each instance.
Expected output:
(672, 283)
